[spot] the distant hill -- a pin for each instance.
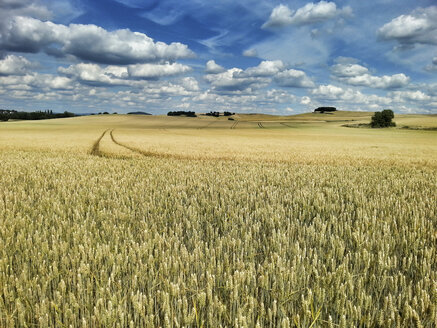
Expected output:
(139, 113)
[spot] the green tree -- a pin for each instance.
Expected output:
(383, 119)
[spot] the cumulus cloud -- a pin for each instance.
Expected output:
(405, 96)
(14, 65)
(280, 16)
(234, 79)
(87, 42)
(328, 91)
(190, 84)
(357, 75)
(348, 70)
(265, 68)
(121, 75)
(93, 74)
(35, 82)
(10, 8)
(334, 93)
(155, 71)
(213, 68)
(418, 27)
(294, 78)
(60, 82)
(379, 82)
(279, 96)
(308, 14)
(187, 86)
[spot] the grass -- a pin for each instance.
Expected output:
(153, 221)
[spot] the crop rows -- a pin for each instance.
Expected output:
(88, 241)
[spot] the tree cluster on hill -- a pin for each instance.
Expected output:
(182, 113)
(217, 114)
(325, 109)
(139, 113)
(6, 114)
(383, 119)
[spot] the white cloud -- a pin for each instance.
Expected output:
(419, 27)
(35, 82)
(186, 87)
(32, 8)
(155, 71)
(308, 14)
(87, 42)
(190, 84)
(250, 53)
(379, 82)
(96, 75)
(357, 75)
(15, 65)
(328, 91)
(348, 70)
(213, 68)
(121, 75)
(60, 82)
(405, 96)
(294, 78)
(234, 79)
(265, 68)
(354, 98)
(305, 100)
(280, 16)
(279, 96)
(321, 11)
(183, 105)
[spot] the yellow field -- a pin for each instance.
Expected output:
(264, 221)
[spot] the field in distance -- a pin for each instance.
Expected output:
(302, 138)
(259, 221)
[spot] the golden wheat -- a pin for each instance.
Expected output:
(138, 238)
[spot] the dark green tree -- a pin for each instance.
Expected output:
(383, 119)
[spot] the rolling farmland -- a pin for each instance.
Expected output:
(263, 221)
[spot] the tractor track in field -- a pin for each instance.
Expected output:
(143, 152)
(234, 125)
(96, 152)
(95, 149)
(165, 156)
(261, 126)
(285, 124)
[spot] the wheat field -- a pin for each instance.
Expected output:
(151, 221)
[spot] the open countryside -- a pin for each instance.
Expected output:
(259, 221)
(218, 164)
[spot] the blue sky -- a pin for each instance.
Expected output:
(277, 57)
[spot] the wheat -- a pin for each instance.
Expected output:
(130, 240)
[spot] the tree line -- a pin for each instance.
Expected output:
(217, 114)
(6, 114)
(182, 113)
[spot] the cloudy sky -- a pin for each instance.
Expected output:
(278, 57)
